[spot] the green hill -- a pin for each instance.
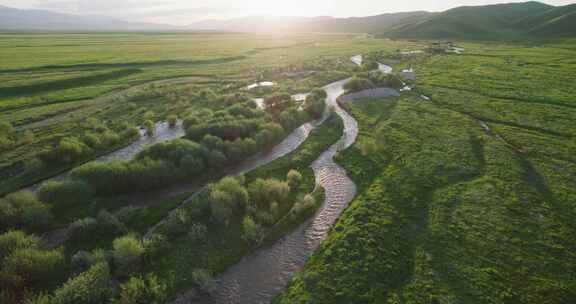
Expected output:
(491, 22)
(559, 21)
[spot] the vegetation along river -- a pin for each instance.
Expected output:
(260, 276)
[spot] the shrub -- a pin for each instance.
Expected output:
(15, 240)
(27, 138)
(6, 144)
(130, 133)
(143, 290)
(92, 140)
(128, 253)
(155, 246)
(109, 139)
(40, 298)
(275, 209)
(198, 233)
(203, 279)
(176, 223)
(307, 203)
(265, 217)
(315, 107)
(126, 176)
(235, 190)
(6, 129)
(176, 152)
(252, 232)
(294, 179)
(82, 261)
(90, 287)
(71, 149)
(24, 210)
(65, 193)
(150, 127)
(82, 229)
(221, 206)
(216, 160)
(264, 192)
(109, 224)
(32, 266)
(358, 84)
(172, 120)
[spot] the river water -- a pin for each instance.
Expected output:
(262, 275)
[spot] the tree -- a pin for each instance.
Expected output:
(143, 290)
(128, 253)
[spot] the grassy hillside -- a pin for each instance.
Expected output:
(466, 198)
(558, 21)
(492, 22)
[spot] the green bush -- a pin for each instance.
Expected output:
(203, 279)
(22, 210)
(71, 149)
(358, 84)
(143, 290)
(31, 267)
(15, 240)
(82, 229)
(128, 254)
(82, 261)
(66, 193)
(155, 246)
(198, 233)
(294, 179)
(90, 287)
(172, 120)
(126, 176)
(108, 224)
(252, 232)
(150, 127)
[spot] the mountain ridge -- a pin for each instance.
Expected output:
(506, 21)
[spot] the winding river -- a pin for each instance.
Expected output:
(262, 275)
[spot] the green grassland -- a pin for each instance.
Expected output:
(449, 210)
(50, 84)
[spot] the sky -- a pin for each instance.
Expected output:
(188, 11)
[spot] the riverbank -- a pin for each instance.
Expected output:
(224, 246)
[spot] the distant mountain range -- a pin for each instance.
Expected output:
(12, 19)
(491, 22)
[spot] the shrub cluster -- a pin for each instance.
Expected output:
(22, 210)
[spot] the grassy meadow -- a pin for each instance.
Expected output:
(51, 84)
(464, 198)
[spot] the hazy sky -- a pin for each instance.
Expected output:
(188, 11)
